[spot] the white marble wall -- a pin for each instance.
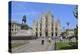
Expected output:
(49, 22)
(34, 27)
(43, 26)
(38, 28)
(49, 25)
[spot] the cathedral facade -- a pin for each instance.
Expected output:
(46, 26)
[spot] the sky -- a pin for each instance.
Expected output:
(61, 12)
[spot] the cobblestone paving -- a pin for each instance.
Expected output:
(34, 46)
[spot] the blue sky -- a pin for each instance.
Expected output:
(61, 12)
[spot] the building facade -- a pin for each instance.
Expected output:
(46, 26)
(14, 28)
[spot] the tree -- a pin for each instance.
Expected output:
(76, 33)
(75, 12)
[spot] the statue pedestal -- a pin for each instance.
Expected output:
(24, 27)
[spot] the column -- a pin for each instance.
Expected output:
(43, 26)
(38, 28)
(49, 25)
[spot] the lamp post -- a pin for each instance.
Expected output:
(67, 28)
